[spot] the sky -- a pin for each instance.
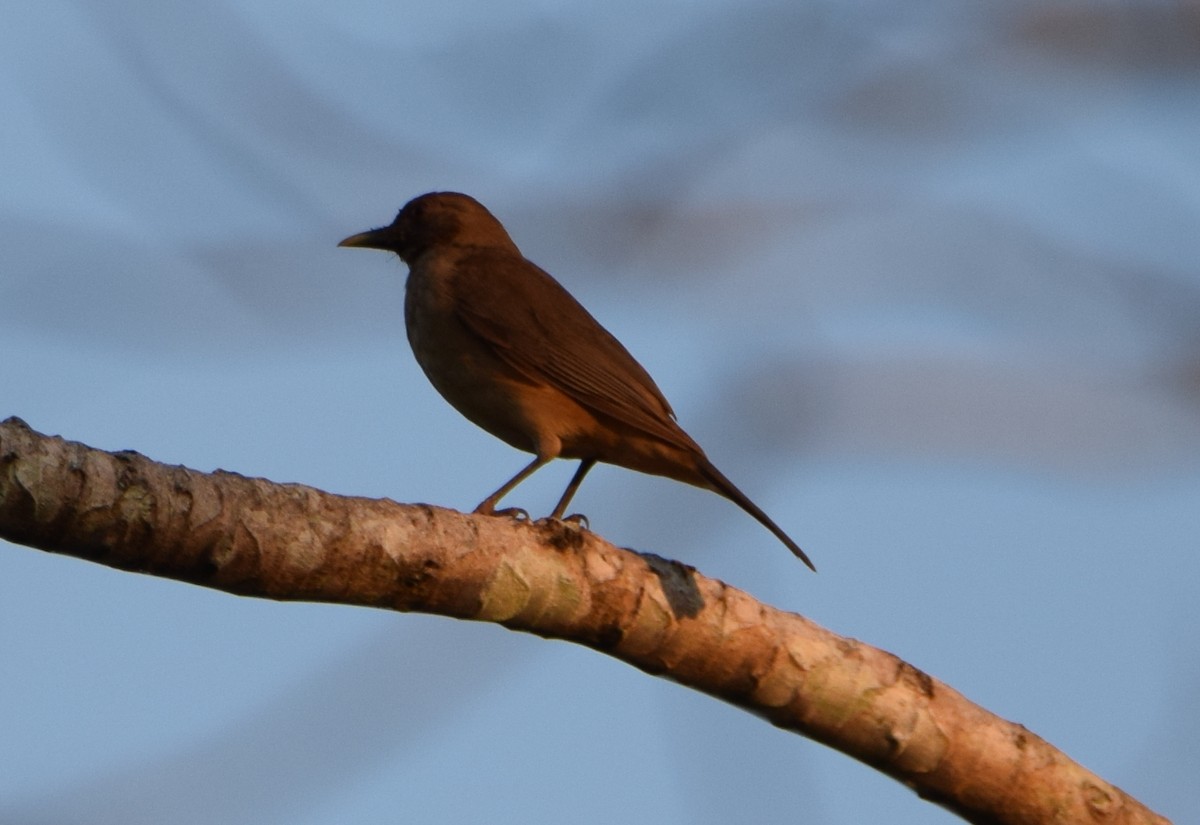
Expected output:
(921, 279)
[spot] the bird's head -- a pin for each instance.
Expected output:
(437, 219)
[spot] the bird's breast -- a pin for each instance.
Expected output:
(463, 368)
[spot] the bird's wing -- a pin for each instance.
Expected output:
(540, 330)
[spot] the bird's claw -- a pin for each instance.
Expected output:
(514, 513)
(578, 519)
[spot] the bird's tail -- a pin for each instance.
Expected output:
(726, 488)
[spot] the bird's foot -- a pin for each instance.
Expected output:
(575, 520)
(514, 513)
(487, 508)
(579, 519)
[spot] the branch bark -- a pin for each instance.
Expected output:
(290, 542)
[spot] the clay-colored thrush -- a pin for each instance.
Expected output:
(510, 349)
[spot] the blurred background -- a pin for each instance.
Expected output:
(922, 279)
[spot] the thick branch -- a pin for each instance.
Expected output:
(290, 542)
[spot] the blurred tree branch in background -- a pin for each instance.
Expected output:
(290, 542)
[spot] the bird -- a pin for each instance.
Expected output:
(513, 351)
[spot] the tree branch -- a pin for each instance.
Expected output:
(290, 542)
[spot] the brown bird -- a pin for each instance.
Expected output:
(510, 349)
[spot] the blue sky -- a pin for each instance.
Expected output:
(921, 280)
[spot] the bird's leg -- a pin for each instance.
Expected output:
(487, 507)
(576, 480)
